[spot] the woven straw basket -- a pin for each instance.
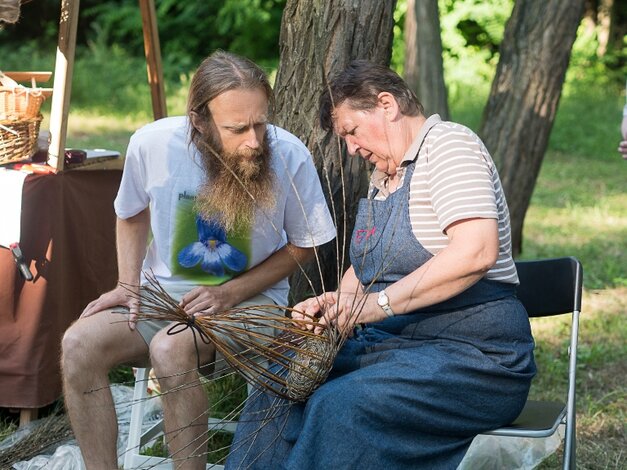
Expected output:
(20, 102)
(18, 139)
(19, 120)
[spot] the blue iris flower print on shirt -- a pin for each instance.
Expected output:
(212, 250)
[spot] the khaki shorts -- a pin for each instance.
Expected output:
(149, 328)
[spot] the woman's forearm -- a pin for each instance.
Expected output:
(472, 251)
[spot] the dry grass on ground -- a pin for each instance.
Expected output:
(601, 372)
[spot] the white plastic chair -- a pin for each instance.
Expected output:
(137, 441)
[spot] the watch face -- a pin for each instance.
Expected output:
(383, 299)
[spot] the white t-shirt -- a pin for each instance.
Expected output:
(164, 172)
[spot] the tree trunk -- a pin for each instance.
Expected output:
(525, 93)
(423, 56)
(319, 37)
(617, 32)
(590, 16)
(604, 16)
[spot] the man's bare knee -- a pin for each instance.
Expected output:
(168, 352)
(98, 343)
(78, 353)
(177, 354)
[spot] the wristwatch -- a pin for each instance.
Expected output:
(384, 303)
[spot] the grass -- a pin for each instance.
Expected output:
(602, 366)
(579, 208)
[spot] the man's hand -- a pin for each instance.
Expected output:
(118, 297)
(622, 148)
(206, 300)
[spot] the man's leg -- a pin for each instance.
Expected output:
(90, 348)
(175, 361)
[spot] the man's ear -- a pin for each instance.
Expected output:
(197, 121)
(388, 103)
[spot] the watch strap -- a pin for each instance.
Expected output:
(384, 303)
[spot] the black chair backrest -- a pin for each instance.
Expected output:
(550, 286)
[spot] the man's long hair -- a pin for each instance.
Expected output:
(218, 73)
(234, 185)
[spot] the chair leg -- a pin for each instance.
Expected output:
(570, 446)
(133, 458)
(137, 414)
(27, 415)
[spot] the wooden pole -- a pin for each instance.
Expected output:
(153, 58)
(62, 87)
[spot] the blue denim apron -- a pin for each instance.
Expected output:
(410, 392)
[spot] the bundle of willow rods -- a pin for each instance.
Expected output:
(290, 364)
(49, 431)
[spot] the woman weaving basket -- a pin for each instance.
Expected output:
(441, 349)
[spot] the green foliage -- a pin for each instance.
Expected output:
(466, 102)
(188, 31)
(397, 61)
(472, 31)
(7, 427)
(127, 89)
(595, 93)
(122, 375)
(226, 394)
(27, 55)
(600, 108)
(253, 27)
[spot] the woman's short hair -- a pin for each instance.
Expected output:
(359, 85)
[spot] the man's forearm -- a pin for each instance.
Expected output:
(132, 238)
(278, 266)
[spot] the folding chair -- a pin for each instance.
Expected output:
(550, 287)
(137, 441)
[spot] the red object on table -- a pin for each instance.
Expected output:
(68, 242)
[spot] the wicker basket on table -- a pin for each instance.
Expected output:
(19, 120)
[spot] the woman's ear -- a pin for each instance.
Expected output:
(388, 103)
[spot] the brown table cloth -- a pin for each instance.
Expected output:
(68, 240)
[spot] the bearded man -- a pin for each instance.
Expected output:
(234, 205)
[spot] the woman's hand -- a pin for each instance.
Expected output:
(307, 311)
(350, 309)
(338, 309)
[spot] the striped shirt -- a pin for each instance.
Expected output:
(454, 179)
